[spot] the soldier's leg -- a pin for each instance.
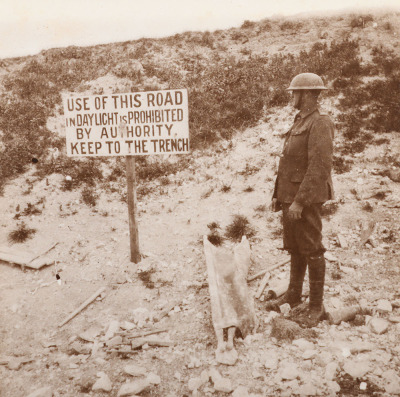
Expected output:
(310, 244)
(298, 264)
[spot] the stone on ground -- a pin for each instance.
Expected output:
(356, 369)
(132, 388)
(223, 385)
(240, 391)
(227, 357)
(289, 371)
(134, 370)
(378, 325)
(42, 392)
(153, 378)
(103, 383)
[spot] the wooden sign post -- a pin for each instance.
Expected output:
(132, 124)
(132, 209)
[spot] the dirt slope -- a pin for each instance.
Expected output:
(93, 252)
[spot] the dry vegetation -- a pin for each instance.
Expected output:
(234, 77)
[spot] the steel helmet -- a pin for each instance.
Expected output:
(306, 81)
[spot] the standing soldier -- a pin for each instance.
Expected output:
(302, 185)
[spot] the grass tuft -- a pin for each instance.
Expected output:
(240, 226)
(21, 234)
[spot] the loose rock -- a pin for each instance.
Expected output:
(307, 389)
(214, 374)
(112, 329)
(378, 325)
(271, 362)
(240, 391)
(333, 387)
(223, 384)
(360, 347)
(90, 334)
(115, 341)
(42, 392)
(309, 354)
(303, 344)
(289, 371)
(227, 357)
(132, 388)
(194, 384)
(204, 376)
(80, 348)
(356, 369)
(102, 384)
(135, 370)
(15, 363)
(153, 378)
(330, 371)
(384, 306)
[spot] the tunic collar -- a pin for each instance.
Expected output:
(307, 113)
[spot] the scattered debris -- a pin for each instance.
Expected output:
(384, 306)
(90, 334)
(112, 329)
(356, 369)
(270, 269)
(82, 306)
(153, 378)
(132, 388)
(42, 392)
(262, 285)
(26, 258)
(277, 289)
(135, 370)
(103, 383)
(378, 325)
(15, 363)
(345, 314)
(283, 329)
(342, 241)
(223, 385)
(366, 232)
(227, 357)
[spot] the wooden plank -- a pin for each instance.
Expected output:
(15, 258)
(270, 269)
(82, 306)
(263, 284)
(26, 258)
(40, 262)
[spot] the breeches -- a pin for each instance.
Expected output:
(303, 236)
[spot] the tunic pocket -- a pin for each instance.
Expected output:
(298, 142)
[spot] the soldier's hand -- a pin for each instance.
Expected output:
(275, 205)
(295, 211)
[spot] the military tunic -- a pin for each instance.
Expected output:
(304, 176)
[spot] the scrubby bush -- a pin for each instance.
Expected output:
(89, 196)
(21, 233)
(247, 24)
(240, 226)
(226, 97)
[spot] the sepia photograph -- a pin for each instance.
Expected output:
(199, 198)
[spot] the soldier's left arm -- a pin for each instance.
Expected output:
(320, 158)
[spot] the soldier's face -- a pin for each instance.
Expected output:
(297, 95)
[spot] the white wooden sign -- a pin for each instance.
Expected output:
(141, 123)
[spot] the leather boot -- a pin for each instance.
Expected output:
(315, 311)
(298, 266)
